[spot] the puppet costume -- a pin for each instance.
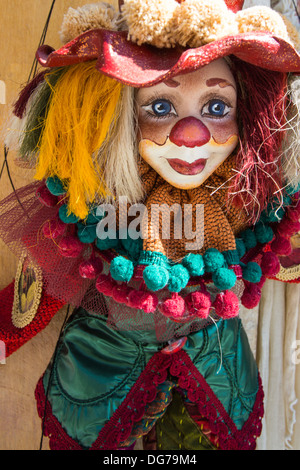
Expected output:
(155, 347)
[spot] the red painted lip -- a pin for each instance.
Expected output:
(185, 168)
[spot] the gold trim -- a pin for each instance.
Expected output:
(21, 319)
(288, 274)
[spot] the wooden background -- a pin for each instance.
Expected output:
(22, 24)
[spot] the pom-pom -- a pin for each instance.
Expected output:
(226, 305)
(288, 227)
(194, 264)
(120, 293)
(249, 239)
(143, 301)
(263, 233)
(86, 233)
(213, 260)
(293, 213)
(70, 247)
(107, 244)
(240, 247)
(252, 272)
(66, 216)
(269, 264)
(281, 246)
(155, 277)
(55, 186)
(198, 303)
(261, 18)
(105, 285)
(54, 228)
(224, 278)
(251, 296)
(121, 269)
(178, 278)
(174, 307)
(90, 269)
(45, 197)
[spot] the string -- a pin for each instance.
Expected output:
(296, 9)
(51, 374)
(220, 347)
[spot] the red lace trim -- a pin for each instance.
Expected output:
(119, 427)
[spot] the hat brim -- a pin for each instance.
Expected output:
(145, 65)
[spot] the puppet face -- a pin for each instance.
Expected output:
(187, 125)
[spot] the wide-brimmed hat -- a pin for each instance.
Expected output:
(149, 41)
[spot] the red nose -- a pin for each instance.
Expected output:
(190, 132)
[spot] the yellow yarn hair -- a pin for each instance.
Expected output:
(80, 119)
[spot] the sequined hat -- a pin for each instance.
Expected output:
(149, 41)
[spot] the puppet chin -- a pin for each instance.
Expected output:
(184, 167)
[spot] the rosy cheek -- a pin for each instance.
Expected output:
(222, 131)
(157, 132)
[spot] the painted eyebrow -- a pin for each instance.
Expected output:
(172, 83)
(221, 82)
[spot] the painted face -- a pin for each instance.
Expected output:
(187, 125)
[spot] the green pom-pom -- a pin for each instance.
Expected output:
(213, 260)
(107, 244)
(155, 277)
(55, 186)
(224, 278)
(249, 238)
(194, 264)
(132, 247)
(252, 272)
(86, 233)
(240, 247)
(121, 269)
(263, 233)
(67, 217)
(179, 277)
(93, 218)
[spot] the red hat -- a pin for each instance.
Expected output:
(178, 37)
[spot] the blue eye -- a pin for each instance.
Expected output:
(161, 107)
(216, 108)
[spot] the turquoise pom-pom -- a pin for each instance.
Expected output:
(93, 217)
(155, 277)
(179, 277)
(252, 272)
(194, 264)
(121, 269)
(240, 247)
(65, 216)
(86, 233)
(213, 260)
(132, 247)
(224, 278)
(264, 233)
(55, 186)
(107, 244)
(249, 238)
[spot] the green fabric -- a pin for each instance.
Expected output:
(177, 431)
(96, 366)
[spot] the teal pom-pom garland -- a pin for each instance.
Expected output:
(178, 278)
(65, 216)
(194, 264)
(121, 269)
(55, 186)
(252, 272)
(86, 233)
(224, 278)
(155, 277)
(213, 260)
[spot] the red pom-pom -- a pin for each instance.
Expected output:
(70, 247)
(251, 296)
(141, 300)
(270, 265)
(105, 284)
(91, 268)
(198, 303)
(120, 293)
(45, 197)
(54, 228)
(174, 307)
(226, 305)
(288, 227)
(293, 212)
(281, 246)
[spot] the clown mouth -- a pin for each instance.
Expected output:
(185, 168)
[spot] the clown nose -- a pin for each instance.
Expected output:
(190, 132)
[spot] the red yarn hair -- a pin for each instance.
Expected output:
(262, 119)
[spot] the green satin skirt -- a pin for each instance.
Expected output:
(105, 388)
